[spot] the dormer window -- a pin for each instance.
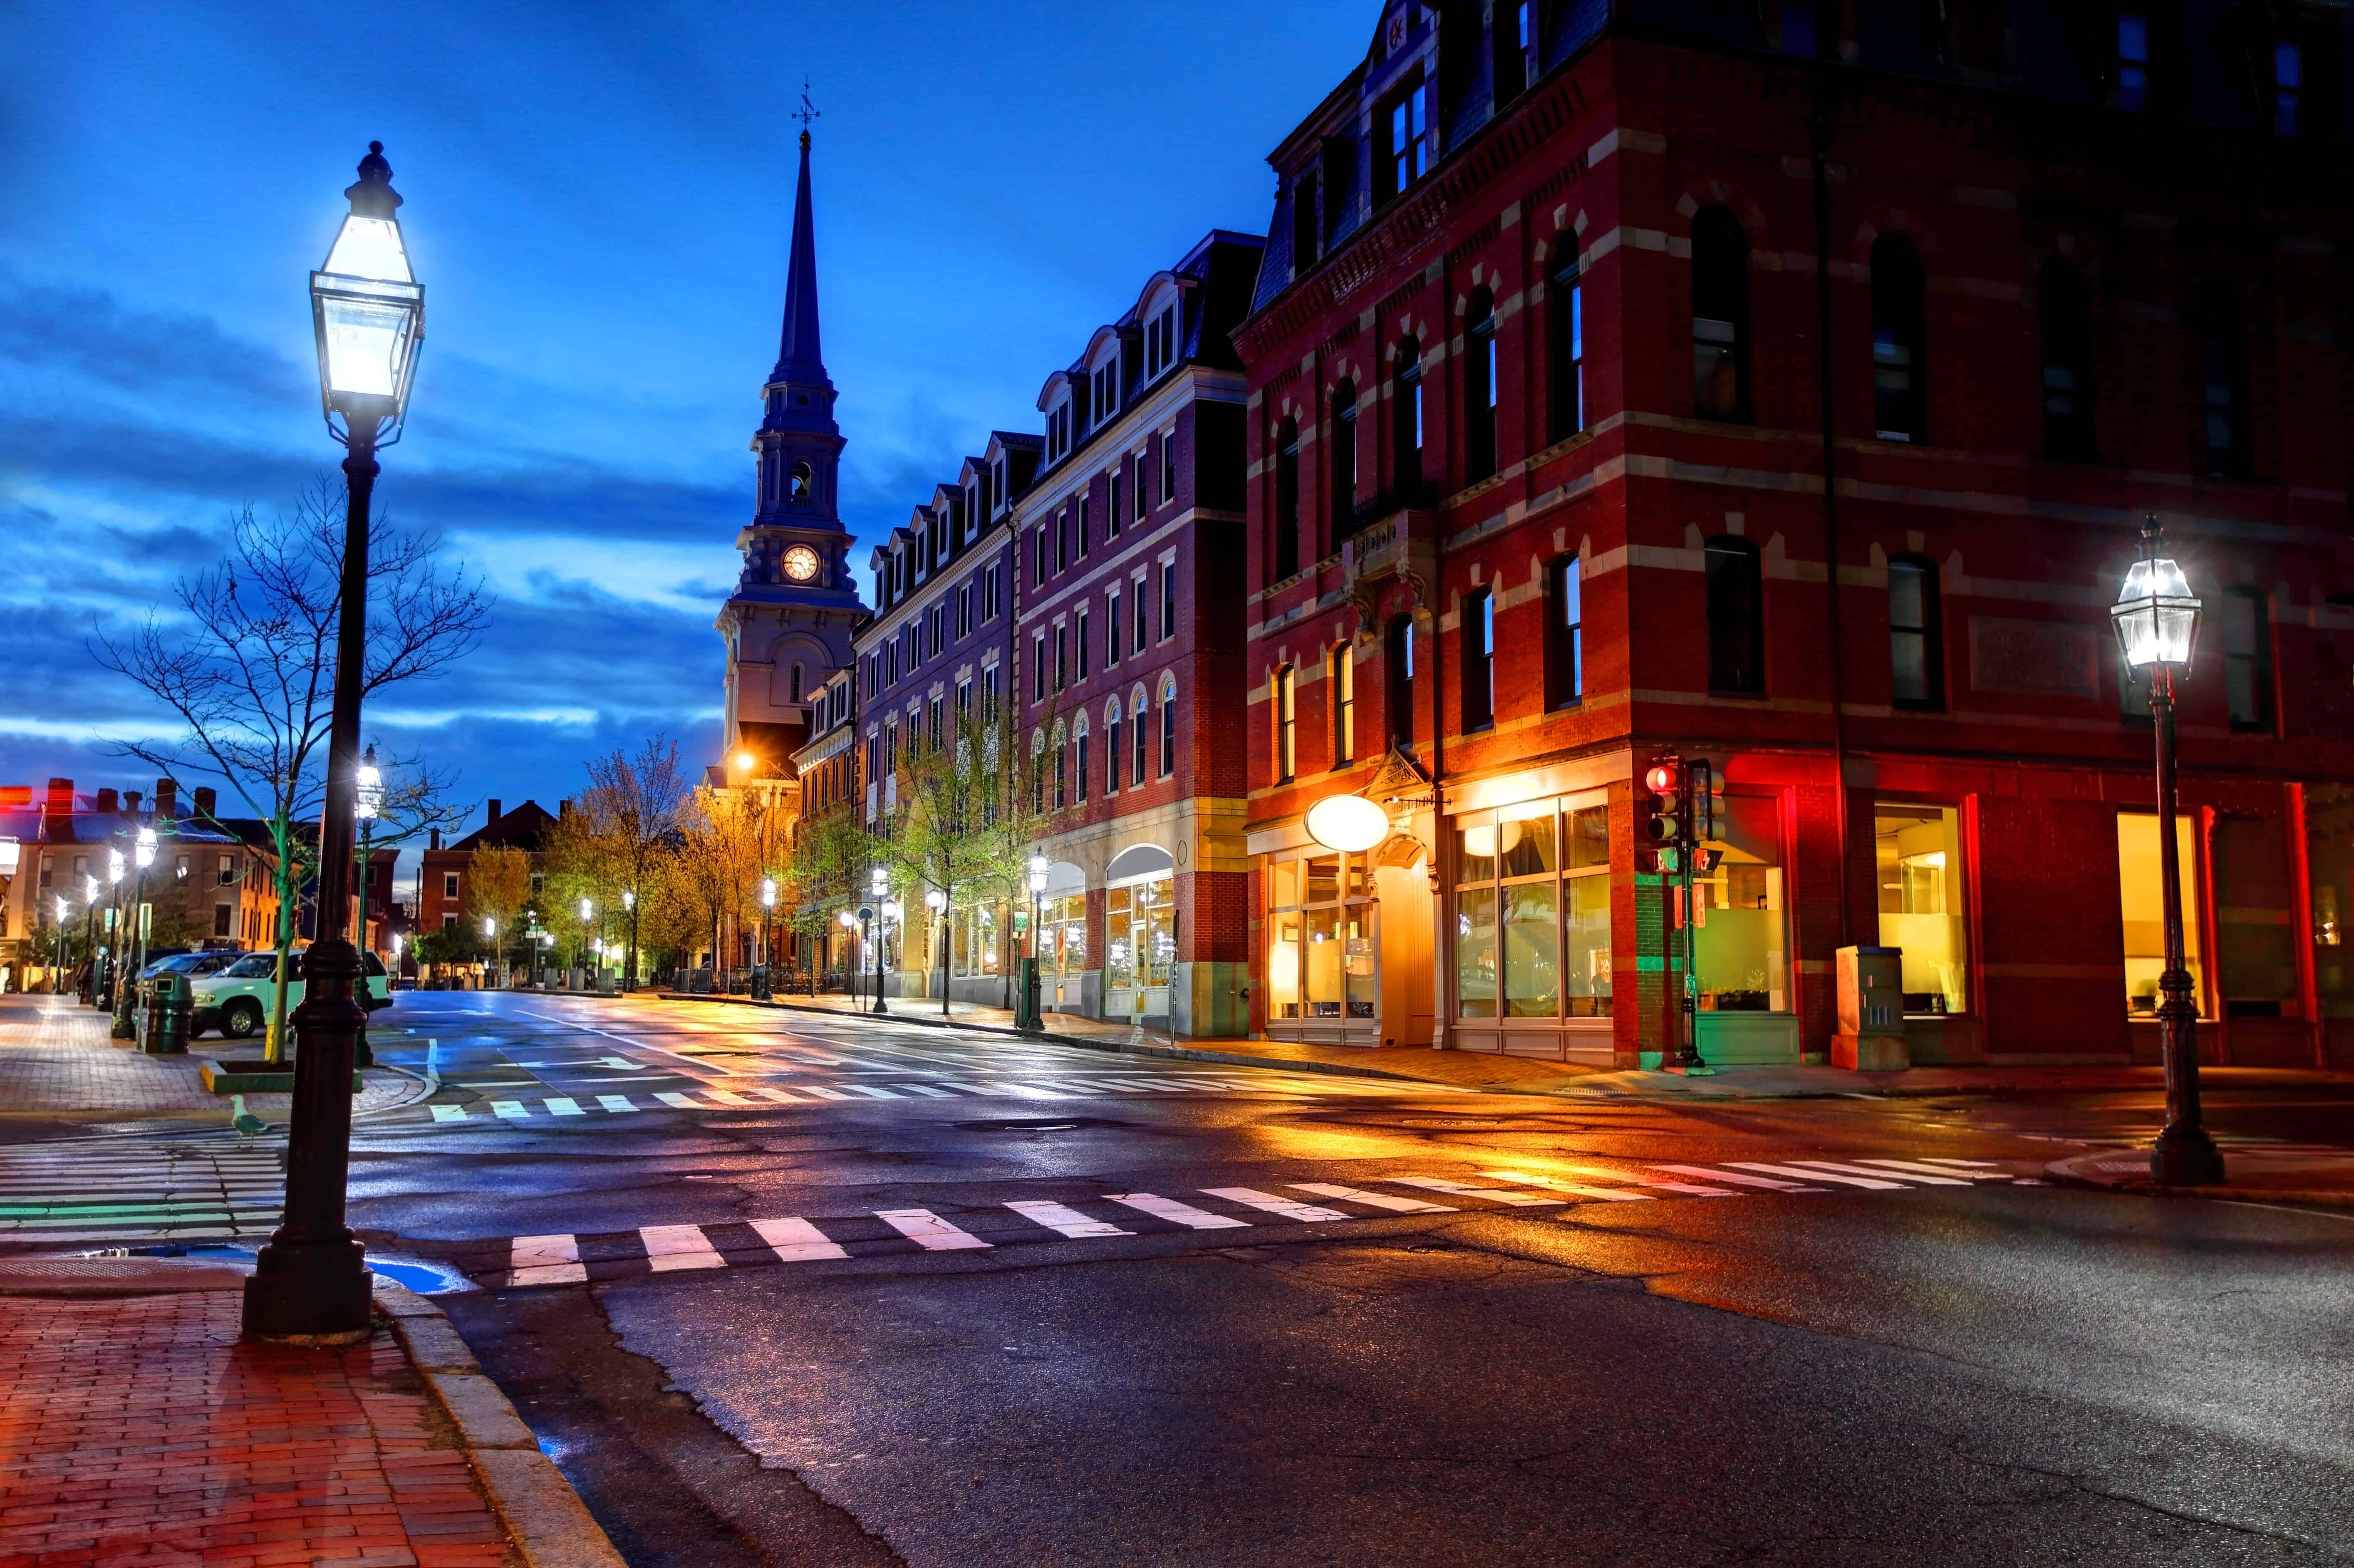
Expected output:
(1000, 475)
(1307, 228)
(1161, 341)
(1403, 125)
(1107, 389)
(972, 503)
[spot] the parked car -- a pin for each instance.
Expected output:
(210, 960)
(236, 1000)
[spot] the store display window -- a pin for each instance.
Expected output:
(1532, 912)
(1741, 941)
(2138, 883)
(1917, 853)
(1321, 944)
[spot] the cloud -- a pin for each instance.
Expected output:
(89, 334)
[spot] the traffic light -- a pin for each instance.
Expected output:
(1700, 794)
(1663, 802)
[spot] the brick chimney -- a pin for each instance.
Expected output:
(495, 813)
(564, 807)
(204, 800)
(60, 795)
(130, 802)
(167, 799)
(435, 840)
(107, 804)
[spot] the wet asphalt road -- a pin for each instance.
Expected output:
(1954, 1369)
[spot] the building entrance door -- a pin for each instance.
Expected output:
(1139, 948)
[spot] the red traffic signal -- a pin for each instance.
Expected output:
(1663, 778)
(1663, 802)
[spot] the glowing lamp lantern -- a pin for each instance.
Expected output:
(367, 310)
(2155, 615)
(1037, 874)
(144, 851)
(368, 796)
(629, 898)
(935, 900)
(490, 926)
(90, 888)
(849, 921)
(113, 865)
(1350, 823)
(768, 892)
(587, 911)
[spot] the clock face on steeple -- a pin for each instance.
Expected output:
(800, 563)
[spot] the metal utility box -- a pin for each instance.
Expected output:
(1870, 1037)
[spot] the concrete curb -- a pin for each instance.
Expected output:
(2071, 1172)
(550, 1525)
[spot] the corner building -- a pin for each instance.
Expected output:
(1129, 561)
(1786, 386)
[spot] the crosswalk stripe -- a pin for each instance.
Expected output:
(1179, 1214)
(929, 1092)
(544, 1260)
(669, 1247)
(1604, 1173)
(1069, 1221)
(563, 1105)
(513, 1110)
(1289, 1208)
(1607, 1195)
(778, 1095)
(796, 1241)
(449, 1113)
(616, 1103)
(875, 1093)
(1738, 1180)
(1378, 1200)
(1145, 1084)
(1975, 1164)
(962, 1089)
(822, 1093)
(678, 1100)
(927, 1230)
(1872, 1181)
(727, 1096)
(1493, 1194)
(1939, 1179)
(1903, 1166)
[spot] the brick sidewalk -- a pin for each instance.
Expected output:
(139, 1430)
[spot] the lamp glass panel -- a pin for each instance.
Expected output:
(367, 345)
(369, 248)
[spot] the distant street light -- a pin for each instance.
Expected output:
(936, 901)
(367, 315)
(90, 937)
(878, 882)
(768, 928)
(368, 804)
(2156, 620)
(629, 966)
(133, 939)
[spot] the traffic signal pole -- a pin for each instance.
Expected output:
(1679, 815)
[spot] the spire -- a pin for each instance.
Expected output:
(799, 358)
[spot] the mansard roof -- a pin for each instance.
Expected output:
(1215, 278)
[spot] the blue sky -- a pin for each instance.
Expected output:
(598, 198)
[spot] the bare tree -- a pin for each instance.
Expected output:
(246, 664)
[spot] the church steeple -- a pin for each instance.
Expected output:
(799, 442)
(799, 358)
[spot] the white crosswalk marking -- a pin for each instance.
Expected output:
(823, 1092)
(1974, 1164)
(927, 1230)
(559, 1105)
(1289, 1208)
(929, 1092)
(1607, 1195)
(1070, 1221)
(1939, 1180)
(1493, 1194)
(615, 1102)
(778, 1095)
(544, 1260)
(1810, 1175)
(1737, 1179)
(672, 1248)
(873, 1093)
(1181, 1213)
(796, 1241)
(681, 1101)
(512, 1110)
(1378, 1200)
(1902, 1166)
(1604, 1173)
(449, 1113)
(727, 1096)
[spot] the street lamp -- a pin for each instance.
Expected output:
(768, 934)
(116, 868)
(89, 937)
(630, 969)
(367, 314)
(580, 948)
(936, 901)
(2157, 622)
(879, 884)
(849, 924)
(57, 985)
(133, 939)
(368, 804)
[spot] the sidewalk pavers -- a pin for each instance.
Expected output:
(137, 1429)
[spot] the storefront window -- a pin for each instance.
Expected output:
(2256, 952)
(1739, 941)
(1918, 851)
(2329, 849)
(1062, 947)
(2138, 883)
(1321, 958)
(1533, 934)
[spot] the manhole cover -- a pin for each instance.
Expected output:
(1037, 1124)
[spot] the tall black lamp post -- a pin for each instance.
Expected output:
(89, 939)
(630, 969)
(879, 885)
(133, 939)
(2156, 620)
(368, 315)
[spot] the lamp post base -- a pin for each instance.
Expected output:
(310, 1294)
(2186, 1157)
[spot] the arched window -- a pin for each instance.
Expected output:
(1111, 747)
(2064, 312)
(1899, 401)
(1286, 501)
(1341, 686)
(2223, 381)
(1168, 728)
(1737, 616)
(1916, 641)
(1565, 343)
(1343, 461)
(1142, 727)
(1720, 270)
(1405, 414)
(1480, 388)
(801, 476)
(1397, 680)
(1286, 753)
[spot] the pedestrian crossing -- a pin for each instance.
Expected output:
(174, 1191)
(658, 1249)
(551, 1108)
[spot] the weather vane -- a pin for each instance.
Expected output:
(807, 112)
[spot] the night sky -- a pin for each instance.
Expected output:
(598, 198)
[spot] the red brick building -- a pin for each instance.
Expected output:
(1786, 386)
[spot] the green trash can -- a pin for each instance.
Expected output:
(164, 1020)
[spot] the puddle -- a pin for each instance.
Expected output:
(425, 1277)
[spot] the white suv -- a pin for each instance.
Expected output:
(237, 999)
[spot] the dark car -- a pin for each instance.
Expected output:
(211, 961)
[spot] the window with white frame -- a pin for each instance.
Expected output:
(1168, 728)
(1038, 668)
(1111, 747)
(1140, 727)
(989, 687)
(1079, 761)
(1136, 615)
(1168, 465)
(991, 598)
(1081, 631)
(1112, 627)
(1168, 599)
(1143, 485)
